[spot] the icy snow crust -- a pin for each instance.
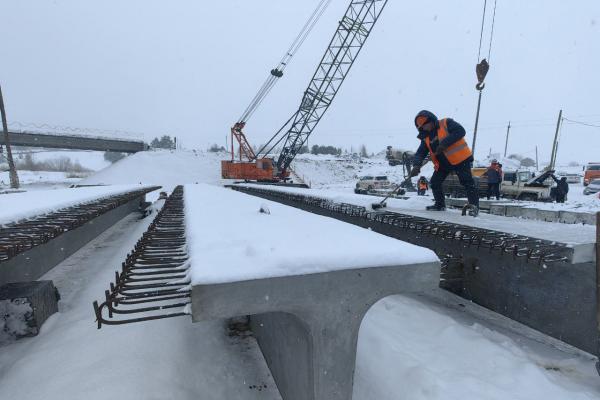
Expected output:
(230, 240)
(18, 206)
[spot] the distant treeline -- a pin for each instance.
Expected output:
(57, 164)
(316, 149)
(165, 142)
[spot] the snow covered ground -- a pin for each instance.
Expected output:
(420, 350)
(341, 174)
(41, 180)
(93, 160)
(167, 359)
(35, 180)
(408, 348)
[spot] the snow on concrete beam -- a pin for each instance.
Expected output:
(15, 207)
(580, 238)
(227, 229)
(305, 280)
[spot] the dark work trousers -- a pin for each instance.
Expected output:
(560, 198)
(463, 171)
(493, 190)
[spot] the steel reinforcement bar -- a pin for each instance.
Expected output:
(518, 246)
(21, 236)
(154, 277)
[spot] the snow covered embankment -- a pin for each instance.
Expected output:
(167, 168)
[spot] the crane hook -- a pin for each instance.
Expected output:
(481, 70)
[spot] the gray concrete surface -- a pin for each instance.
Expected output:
(29, 303)
(35, 262)
(580, 238)
(59, 141)
(547, 215)
(558, 299)
(307, 325)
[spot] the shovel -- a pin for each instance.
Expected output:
(382, 203)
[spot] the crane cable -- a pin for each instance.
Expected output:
(277, 72)
(483, 66)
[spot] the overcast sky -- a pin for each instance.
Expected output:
(189, 68)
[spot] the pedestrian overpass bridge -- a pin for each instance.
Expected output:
(75, 142)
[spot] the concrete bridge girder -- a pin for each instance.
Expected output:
(74, 142)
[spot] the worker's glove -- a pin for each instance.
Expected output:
(441, 148)
(416, 170)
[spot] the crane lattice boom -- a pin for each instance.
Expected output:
(348, 40)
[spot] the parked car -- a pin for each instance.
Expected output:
(571, 177)
(370, 183)
(518, 184)
(592, 171)
(592, 187)
(522, 185)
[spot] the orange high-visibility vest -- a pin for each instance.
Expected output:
(455, 154)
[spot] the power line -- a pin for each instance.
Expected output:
(581, 123)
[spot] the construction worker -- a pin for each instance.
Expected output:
(444, 141)
(562, 188)
(422, 186)
(494, 179)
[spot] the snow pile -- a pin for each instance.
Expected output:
(321, 171)
(584, 204)
(167, 168)
(411, 350)
(18, 206)
(230, 239)
(13, 319)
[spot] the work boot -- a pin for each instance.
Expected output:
(436, 207)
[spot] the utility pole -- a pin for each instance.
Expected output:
(555, 143)
(14, 178)
(506, 143)
(537, 165)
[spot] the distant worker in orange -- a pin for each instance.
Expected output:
(422, 186)
(444, 140)
(494, 179)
